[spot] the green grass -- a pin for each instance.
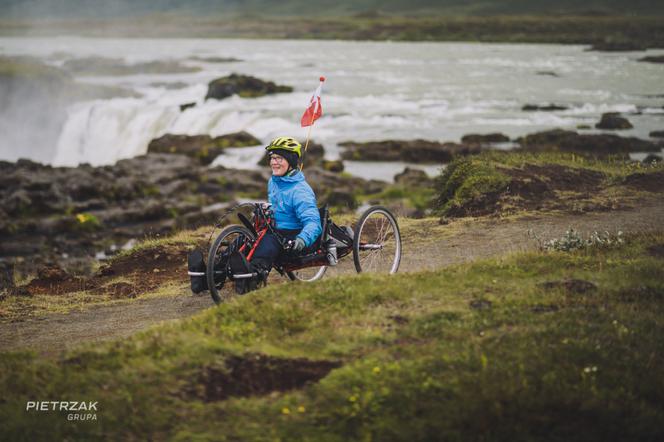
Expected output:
(473, 352)
(474, 181)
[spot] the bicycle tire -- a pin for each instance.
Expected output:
(295, 276)
(371, 250)
(215, 287)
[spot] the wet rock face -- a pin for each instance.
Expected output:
(417, 151)
(545, 108)
(652, 59)
(202, 147)
(57, 214)
(244, 86)
(594, 144)
(484, 138)
(413, 178)
(48, 212)
(614, 121)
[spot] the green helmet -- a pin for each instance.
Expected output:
(288, 144)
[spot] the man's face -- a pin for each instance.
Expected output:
(278, 164)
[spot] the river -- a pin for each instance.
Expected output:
(374, 91)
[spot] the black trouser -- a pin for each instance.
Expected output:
(270, 248)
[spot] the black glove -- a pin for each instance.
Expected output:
(297, 245)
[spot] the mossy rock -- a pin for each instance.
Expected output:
(243, 85)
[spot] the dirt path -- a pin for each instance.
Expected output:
(459, 242)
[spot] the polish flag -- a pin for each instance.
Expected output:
(314, 111)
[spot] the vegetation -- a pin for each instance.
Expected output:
(503, 349)
(607, 32)
(506, 182)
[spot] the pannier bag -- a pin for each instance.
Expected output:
(196, 265)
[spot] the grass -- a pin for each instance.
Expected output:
(475, 183)
(479, 351)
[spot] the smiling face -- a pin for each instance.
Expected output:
(278, 164)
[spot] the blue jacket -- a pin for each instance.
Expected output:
(294, 205)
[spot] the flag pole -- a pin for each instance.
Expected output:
(311, 125)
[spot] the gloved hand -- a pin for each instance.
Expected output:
(298, 244)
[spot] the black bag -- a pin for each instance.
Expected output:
(196, 265)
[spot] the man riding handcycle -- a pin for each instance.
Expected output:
(293, 236)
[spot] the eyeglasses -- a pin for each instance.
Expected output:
(277, 158)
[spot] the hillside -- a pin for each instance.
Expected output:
(539, 345)
(126, 8)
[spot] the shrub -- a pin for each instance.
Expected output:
(466, 181)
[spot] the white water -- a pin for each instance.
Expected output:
(374, 91)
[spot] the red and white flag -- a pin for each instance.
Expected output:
(315, 110)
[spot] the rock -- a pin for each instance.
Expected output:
(485, 138)
(216, 59)
(594, 144)
(244, 86)
(652, 59)
(336, 166)
(413, 178)
(202, 147)
(651, 159)
(185, 106)
(417, 151)
(338, 190)
(613, 120)
(657, 134)
(150, 194)
(547, 73)
(339, 198)
(617, 46)
(546, 108)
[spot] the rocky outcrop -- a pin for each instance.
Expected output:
(202, 147)
(413, 178)
(613, 121)
(657, 134)
(652, 59)
(336, 190)
(544, 108)
(592, 144)
(244, 86)
(485, 138)
(417, 151)
(57, 214)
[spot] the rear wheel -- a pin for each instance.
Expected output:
(229, 239)
(308, 274)
(377, 242)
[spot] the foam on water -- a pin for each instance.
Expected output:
(374, 91)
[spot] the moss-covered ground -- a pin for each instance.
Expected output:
(546, 346)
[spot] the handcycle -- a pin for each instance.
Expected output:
(375, 243)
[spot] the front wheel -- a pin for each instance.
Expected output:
(230, 239)
(307, 274)
(377, 242)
